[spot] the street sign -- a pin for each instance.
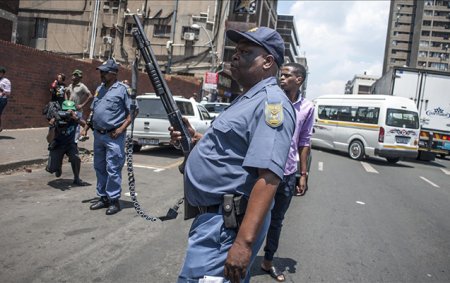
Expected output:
(210, 81)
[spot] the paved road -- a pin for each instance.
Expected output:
(359, 222)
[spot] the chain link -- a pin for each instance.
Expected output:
(132, 181)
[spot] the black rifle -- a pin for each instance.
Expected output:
(161, 88)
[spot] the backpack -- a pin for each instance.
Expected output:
(51, 109)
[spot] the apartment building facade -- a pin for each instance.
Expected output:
(182, 33)
(8, 20)
(360, 84)
(418, 35)
(187, 37)
(288, 31)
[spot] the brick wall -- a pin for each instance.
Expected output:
(31, 71)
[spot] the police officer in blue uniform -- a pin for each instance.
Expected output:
(110, 119)
(243, 153)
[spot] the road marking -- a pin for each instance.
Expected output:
(429, 182)
(320, 167)
(158, 169)
(360, 202)
(155, 169)
(368, 167)
(446, 172)
(175, 164)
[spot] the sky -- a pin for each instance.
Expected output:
(340, 39)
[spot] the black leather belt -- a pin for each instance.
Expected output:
(209, 209)
(105, 131)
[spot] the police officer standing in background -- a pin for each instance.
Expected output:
(243, 153)
(110, 119)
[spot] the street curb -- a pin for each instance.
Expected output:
(18, 164)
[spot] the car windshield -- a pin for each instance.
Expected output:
(215, 108)
(153, 108)
(402, 118)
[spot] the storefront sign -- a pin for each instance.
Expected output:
(210, 81)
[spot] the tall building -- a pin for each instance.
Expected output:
(187, 36)
(8, 20)
(360, 84)
(418, 35)
(184, 35)
(286, 28)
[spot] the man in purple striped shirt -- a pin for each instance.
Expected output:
(292, 77)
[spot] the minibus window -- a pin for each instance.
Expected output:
(345, 114)
(324, 112)
(402, 118)
(367, 115)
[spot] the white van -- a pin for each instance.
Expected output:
(364, 125)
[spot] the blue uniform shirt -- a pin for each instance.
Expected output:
(111, 106)
(239, 141)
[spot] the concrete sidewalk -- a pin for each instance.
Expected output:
(24, 147)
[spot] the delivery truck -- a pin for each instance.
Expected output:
(430, 91)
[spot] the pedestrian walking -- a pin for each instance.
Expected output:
(291, 79)
(5, 92)
(58, 88)
(110, 119)
(233, 171)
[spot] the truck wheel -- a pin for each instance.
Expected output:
(392, 159)
(356, 150)
(137, 147)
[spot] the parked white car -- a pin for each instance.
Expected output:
(151, 124)
(215, 108)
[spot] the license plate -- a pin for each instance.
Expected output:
(403, 140)
(148, 141)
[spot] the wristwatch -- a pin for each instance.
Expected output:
(303, 174)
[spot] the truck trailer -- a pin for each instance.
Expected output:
(430, 90)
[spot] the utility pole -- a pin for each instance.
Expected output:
(172, 38)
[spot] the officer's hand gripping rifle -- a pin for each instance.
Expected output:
(161, 88)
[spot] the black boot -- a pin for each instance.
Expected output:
(103, 202)
(114, 207)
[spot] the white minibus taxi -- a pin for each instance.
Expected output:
(364, 125)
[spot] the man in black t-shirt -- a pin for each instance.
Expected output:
(61, 139)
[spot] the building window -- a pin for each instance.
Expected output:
(422, 54)
(40, 28)
(129, 28)
(394, 42)
(439, 66)
(162, 30)
(111, 5)
(423, 43)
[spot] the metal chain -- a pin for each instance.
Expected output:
(132, 181)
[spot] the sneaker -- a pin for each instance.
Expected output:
(83, 138)
(58, 173)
